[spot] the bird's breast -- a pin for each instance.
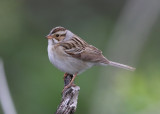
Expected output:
(65, 62)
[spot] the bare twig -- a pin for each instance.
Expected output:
(68, 103)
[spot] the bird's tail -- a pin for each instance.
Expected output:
(121, 65)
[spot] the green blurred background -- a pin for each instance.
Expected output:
(127, 31)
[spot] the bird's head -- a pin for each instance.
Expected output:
(57, 34)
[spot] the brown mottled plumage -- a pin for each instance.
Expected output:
(72, 55)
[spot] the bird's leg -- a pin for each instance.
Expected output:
(71, 83)
(66, 74)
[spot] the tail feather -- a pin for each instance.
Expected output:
(121, 66)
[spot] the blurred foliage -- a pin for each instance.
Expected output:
(36, 85)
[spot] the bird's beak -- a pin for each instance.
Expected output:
(49, 37)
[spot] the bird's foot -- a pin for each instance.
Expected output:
(71, 83)
(68, 86)
(65, 75)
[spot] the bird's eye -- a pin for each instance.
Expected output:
(57, 35)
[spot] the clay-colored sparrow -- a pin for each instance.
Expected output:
(72, 55)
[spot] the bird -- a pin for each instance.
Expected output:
(72, 55)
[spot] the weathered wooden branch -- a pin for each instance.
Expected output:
(68, 103)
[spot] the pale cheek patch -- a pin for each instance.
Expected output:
(55, 41)
(61, 38)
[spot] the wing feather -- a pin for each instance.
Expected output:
(86, 53)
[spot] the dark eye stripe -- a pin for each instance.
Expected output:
(63, 34)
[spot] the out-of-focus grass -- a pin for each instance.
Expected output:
(142, 92)
(133, 93)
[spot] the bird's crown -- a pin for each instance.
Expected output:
(58, 29)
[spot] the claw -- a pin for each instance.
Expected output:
(71, 83)
(65, 75)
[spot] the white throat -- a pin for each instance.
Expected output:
(52, 41)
